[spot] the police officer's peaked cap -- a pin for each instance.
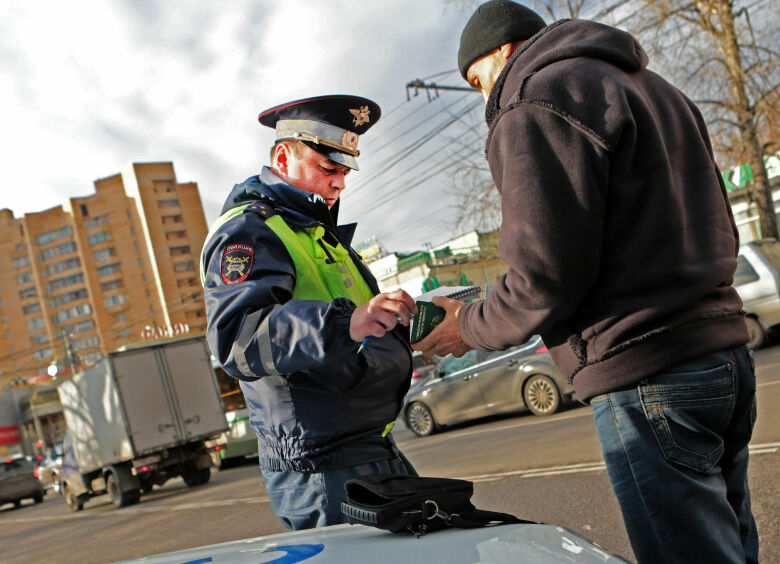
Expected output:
(330, 125)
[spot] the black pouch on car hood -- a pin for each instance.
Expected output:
(417, 504)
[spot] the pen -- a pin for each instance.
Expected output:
(367, 339)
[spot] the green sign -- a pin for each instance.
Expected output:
(738, 177)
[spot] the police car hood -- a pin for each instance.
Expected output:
(339, 544)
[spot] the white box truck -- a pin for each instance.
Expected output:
(138, 418)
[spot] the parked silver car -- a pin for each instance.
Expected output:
(757, 280)
(487, 383)
(18, 482)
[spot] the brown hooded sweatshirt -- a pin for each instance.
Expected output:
(617, 231)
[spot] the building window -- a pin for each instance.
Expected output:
(75, 311)
(167, 219)
(42, 354)
(96, 221)
(20, 262)
(108, 269)
(112, 285)
(171, 203)
(176, 235)
(80, 327)
(124, 334)
(61, 266)
(91, 358)
(143, 277)
(84, 210)
(184, 266)
(103, 254)
(50, 236)
(25, 293)
(178, 251)
(56, 250)
(121, 317)
(65, 281)
(184, 282)
(86, 343)
(115, 300)
(31, 308)
(24, 278)
(19, 247)
(99, 237)
(132, 231)
(73, 296)
(39, 339)
(35, 323)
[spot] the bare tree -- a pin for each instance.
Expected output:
(724, 57)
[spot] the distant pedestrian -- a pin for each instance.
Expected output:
(621, 251)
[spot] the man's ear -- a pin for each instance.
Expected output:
(506, 50)
(281, 158)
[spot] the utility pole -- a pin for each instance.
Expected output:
(69, 352)
(418, 84)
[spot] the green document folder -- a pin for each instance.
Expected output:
(429, 315)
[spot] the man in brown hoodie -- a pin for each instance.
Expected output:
(621, 249)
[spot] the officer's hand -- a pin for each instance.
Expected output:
(380, 314)
(445, 337)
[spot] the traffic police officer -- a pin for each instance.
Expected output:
(289, 302)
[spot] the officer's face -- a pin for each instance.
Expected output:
(310, 171)
(483, 72)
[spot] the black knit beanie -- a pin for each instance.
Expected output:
(494, 23)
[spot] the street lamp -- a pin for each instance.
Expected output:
(52, 370)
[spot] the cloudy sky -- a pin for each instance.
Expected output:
(87, 88)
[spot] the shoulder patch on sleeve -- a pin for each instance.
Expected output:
(237, 260)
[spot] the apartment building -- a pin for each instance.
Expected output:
(102, 271)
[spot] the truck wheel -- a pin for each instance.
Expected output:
(118, 497)
(194, 476)
(756, 333)
(71, 500)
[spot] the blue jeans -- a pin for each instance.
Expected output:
(676, 449)
(305, 500)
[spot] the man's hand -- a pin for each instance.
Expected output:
(445, 338)
(380, 314)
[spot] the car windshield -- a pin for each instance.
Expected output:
(453, 364)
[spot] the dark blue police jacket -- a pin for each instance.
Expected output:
(315, 403)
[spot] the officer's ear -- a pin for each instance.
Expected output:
(281, 157)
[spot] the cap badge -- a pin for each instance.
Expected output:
(362, 115)
(350, 139)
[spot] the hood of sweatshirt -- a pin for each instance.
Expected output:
(565, 39)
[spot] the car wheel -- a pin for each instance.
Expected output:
(420, 419)
(71, 500)
(38, 498)
(17, 503)
(541, 395)
(755, 332)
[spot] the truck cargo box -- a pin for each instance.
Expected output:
(142, 400)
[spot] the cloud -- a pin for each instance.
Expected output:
(86, 90)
